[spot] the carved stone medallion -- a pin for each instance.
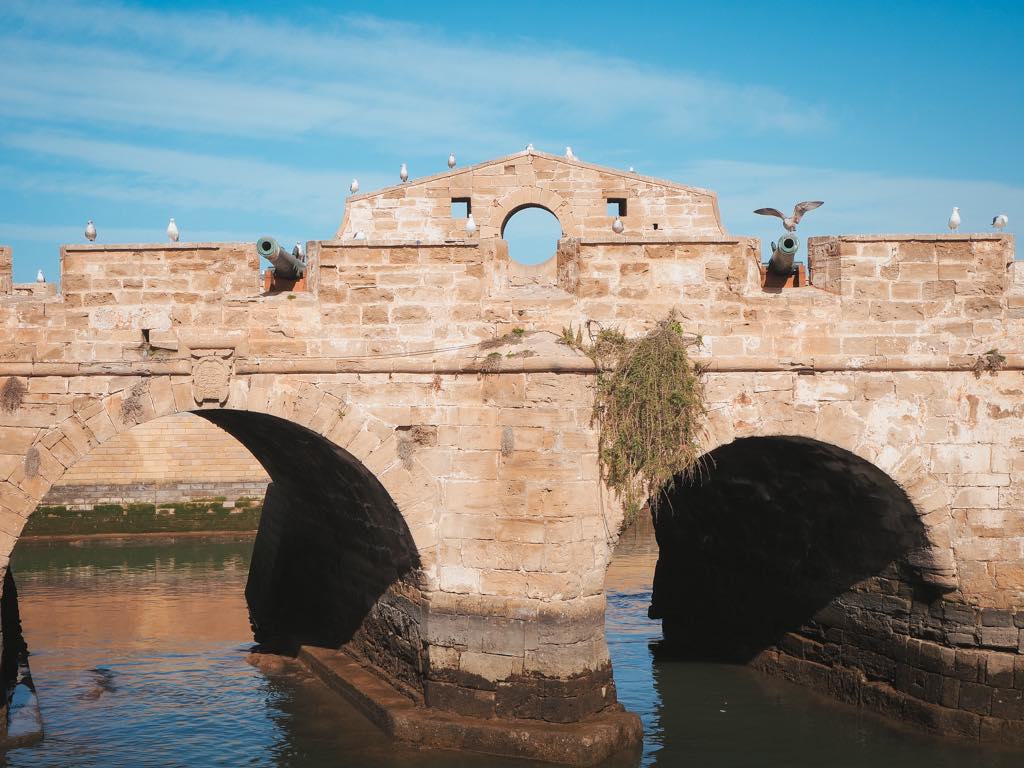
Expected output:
(211, 375)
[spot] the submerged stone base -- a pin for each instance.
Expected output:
(996, 703)
(613, 734)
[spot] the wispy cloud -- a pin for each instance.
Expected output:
(350, 76)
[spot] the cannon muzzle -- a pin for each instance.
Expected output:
(781, 262)
(285, 264)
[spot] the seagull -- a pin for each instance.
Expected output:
(529, 147)
(1000, 221)
(451, 160)
(359, 235)
(569, 154)
(40, 277)
(403, 173)
(297, 251)
(618, 226)
(470, 225)
(90, 231)
(632, 169)
(354, 186)
(790, 222)
(954, 220)
(172, 231)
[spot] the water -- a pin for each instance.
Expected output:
(138, 655)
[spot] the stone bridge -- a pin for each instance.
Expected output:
(437, 510)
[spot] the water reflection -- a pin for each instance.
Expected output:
(725, 716)
(139, 658)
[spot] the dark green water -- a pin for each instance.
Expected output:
(138, 655)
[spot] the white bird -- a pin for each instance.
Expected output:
(529, 147)
(297, 251)
(451, 160)
(403, 173)
(172, 231)
(618, 226)
(354, 186)
(90, 231)
(569, 154)
(470, 225)
(790, 222)
(40, 277)
(954, 220)
(1000, 221)
(632, 169)
(359, 235)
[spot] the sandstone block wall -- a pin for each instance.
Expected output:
(577, 193)
(6, 271)
(436, 367)
(173, 459)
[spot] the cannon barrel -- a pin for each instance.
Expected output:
(781, 262)
(285, 264)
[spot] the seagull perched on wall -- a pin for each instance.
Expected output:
(40, 277)
(790, 222)
(618, 226)
(403, 173)
(529, 147)
(470, 225)
(451, 160)
(954, 220)
(90, 231)
(568, 153)
(172, 231)
(354, 186)
(1000, 221)
(297, 251)
(359, 235)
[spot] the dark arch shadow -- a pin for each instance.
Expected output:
(333, 562)
(778, 535)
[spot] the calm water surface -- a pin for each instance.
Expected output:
(138, 655)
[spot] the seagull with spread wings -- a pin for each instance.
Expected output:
(790, 222)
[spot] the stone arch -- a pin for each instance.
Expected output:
(313, 405)
(905, 465)
(529, 197)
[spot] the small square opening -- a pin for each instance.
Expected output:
(655, 225)
(616, 206)
(461, 207)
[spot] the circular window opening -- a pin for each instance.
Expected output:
(532, 235)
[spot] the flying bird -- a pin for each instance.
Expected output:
(790, 222)
(1000, 221)
(172, 231)
(403, 173)
(354, 186)
(618, 226)
(40, 277)
(954, 220)
(451, 160)
(569, 154)
(90, 231)
(470, 225)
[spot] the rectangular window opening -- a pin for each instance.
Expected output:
(616, 206)
(461, 207)
(655, 225)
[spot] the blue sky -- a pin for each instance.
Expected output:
(251, 119)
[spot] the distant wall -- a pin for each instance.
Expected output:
(176, 458)
(6, 270)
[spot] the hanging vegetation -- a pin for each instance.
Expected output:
(650, 408)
